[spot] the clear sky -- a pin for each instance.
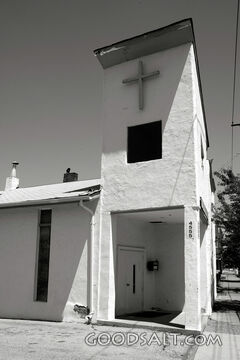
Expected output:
(51, 82)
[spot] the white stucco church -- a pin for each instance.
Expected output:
(137, 244)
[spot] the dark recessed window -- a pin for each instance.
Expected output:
(43, 255)
(145, 142)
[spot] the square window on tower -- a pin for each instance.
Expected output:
(144, 142)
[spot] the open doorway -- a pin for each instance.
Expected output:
(149, 265)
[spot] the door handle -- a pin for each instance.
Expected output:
(127, 284)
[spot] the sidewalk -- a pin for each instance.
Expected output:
(225, 322)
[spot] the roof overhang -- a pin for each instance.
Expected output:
(170, 36)
(49, 202)
(148, 43)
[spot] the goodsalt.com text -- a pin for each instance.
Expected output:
(146, 339)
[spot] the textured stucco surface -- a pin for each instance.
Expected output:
(18, 248)
(170, 279)
(168, 98)
(181, 177)
(192, 270)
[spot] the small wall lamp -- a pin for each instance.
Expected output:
(153, 265)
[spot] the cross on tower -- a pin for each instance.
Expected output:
(139, 78)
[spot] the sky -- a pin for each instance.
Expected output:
(51, 82)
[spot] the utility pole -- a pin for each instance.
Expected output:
(234, 81)
(232, 125)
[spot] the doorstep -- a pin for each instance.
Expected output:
(147, 325)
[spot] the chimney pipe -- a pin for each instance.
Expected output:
(70, 176)
(12, 182)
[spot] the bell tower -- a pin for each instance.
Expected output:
(152, 94)
(152, 164)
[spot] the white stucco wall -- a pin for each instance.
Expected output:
(192, 259)
(203, 266)
(167, 181)
(200, 136)
(179, 178)
(204, 191)
(68, 261)
(170, 279)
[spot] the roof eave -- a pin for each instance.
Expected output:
(172, 35)
(56, 201)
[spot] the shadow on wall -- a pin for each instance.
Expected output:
(170, 279)
(165, 288)
(68, 257)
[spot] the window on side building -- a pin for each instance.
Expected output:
(43, 255)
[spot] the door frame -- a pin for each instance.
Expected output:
(131, 248)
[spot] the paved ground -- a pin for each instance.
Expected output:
(225, 322)
(25, 340)
(36, 340)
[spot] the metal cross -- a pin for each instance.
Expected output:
(139, 78)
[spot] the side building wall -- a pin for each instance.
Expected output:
(204, 192)
(70, 232)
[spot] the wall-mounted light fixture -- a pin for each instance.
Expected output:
(153, 265)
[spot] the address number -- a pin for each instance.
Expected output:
(190, 229)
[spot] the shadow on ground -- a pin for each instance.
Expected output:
(221, 289)
(227, 305)
(156, 316)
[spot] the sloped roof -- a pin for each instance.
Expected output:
(148, 43)
(72, 191)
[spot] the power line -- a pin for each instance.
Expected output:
(234, 82)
